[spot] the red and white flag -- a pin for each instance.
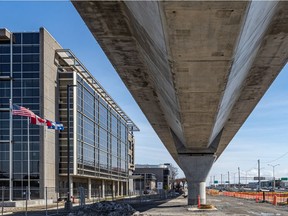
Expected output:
(48, 123)
(38, 121)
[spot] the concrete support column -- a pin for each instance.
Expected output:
(113, 189)
(197, 188)
(89, 188)
(103, 189)
(196, 169)
(118, 189)
(122, 187)
(71, 186)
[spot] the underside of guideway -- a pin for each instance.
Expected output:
(197, 69)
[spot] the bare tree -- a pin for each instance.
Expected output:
(174, 173)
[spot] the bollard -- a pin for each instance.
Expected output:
(26, 202)
(3, 190)
(57, 201)
(199, 204)
(46, 202)
(275, 200)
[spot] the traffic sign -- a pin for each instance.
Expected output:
(257, 178)
(159, 185)
(215, 182)
(227, 182)
(284, 178)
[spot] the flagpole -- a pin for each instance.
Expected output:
(11, 122)
(28, 159)
(10, 151)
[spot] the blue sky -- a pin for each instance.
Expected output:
(264, 135)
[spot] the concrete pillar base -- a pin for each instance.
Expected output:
(196, 169)
(89, 189)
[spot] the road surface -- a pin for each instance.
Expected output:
(225, 206)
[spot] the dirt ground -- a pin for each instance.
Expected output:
(225, 206)
(178, 207)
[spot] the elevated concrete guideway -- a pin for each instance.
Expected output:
(197, 69)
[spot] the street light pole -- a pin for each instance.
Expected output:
(68, 204)
(273, 173)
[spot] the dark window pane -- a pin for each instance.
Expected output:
(30, 67)
(4, 84)
(4, 92)
(30, 38)
(17, 38)
(5, 67)
(31, 100)
(30, 58)
(29, 93)
(30, 75)
(31, 49)
(16, 83)
(16, 67)
(4, 49)
(16, 49)
(4, 58)
(16, 92)
(17, 75)
(31, 83)
(16, 58)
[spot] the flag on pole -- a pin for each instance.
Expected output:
(22, 111)
(48, 123)
(56, 126)
(38, 121)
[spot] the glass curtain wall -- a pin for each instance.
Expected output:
(64, 80)
(101, 136)
(26, 72)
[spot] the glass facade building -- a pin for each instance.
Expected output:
(19, 61)
(34, 73)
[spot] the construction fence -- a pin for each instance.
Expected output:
(275, 198)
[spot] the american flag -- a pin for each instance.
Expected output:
(22, 111)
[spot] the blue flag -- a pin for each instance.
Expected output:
(56, 126)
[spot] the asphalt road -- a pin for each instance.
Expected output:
(224, 205)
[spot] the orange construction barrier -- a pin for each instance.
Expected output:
(275, 200)
(257, 199)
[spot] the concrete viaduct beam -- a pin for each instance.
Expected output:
(197, 69)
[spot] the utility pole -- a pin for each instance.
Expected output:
(228, 179)
(239, 176)
(273, 174)
(259, 181)
(221, 180)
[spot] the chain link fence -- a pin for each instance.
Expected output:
(51, 201)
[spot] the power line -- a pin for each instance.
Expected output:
(277, 158)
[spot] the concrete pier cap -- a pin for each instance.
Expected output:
(196, 168)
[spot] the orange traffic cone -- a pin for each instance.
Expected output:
(199, 204)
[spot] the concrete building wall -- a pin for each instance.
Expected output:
(49, 109)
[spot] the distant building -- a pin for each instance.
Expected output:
(144, 182)
(162, 173)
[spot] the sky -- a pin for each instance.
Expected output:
(263, 136)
